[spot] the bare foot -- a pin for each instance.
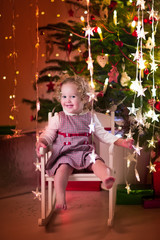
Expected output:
(61, 206)
(108, 182)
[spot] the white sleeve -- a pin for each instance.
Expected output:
(50, 132)
(103, 135)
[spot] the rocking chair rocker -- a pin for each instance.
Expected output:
(48, 200)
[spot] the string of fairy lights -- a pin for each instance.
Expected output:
(136, 111)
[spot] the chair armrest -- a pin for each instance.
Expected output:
(43, 151)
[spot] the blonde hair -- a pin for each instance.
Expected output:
(82, 87)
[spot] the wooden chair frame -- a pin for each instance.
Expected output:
(48, 200)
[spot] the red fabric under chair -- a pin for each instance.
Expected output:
(156, 179)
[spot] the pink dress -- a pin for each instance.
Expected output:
(73, 143)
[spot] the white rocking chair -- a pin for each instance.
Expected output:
(48, 200)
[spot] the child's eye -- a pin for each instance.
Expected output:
(63, 96)
(73, 96)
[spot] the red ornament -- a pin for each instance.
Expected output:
(71, 13)
(134, 34)
(95, 29)
(50, 86)
(112, 5)
(145, 20)
(100, 94)
(92, 17)
(157, 105)
(146, 71)
(119, 43)
(135, 18)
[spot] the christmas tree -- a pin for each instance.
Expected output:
(125, 42)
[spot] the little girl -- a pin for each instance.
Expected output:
(69, 133)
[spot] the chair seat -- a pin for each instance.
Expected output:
(78, 177)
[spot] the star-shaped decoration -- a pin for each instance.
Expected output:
(128, 188)
(93, 156)
(92, 95)
(113, 74)
(136, 55)
(141, 3)
(129, 134)
(153, 14)
(153, 91)
(151, 167)
(91, 126)
(38, 165)
(135, 85)
(140, 91)
(154, 66)
(131, 157)
(142, 33)
(17, 132)
(155, 117)
(137, 148)
(132, 110)
(89, 61)
(50, 86)
(141, 63)
(14, 108)
(88, 31)
(37, 194)
(139, 118)
(151, 143)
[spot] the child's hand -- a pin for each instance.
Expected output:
(38, 146)
(127, 143)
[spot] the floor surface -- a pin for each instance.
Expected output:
(85, 219)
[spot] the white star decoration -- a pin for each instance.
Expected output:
(137, 149)
(141, 3)
(88, 31)
(93, 156)
(153, 91)
(91, 126)
(140, 91)
(132, 110)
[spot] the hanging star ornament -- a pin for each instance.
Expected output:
(151, 142)
(151, 167)
(137, 148)
(128, 188)
(38, 165)
(129, 134)
(93, 156)
(141, 3)
(88, 31)
(91, 126)
(37, 194)
(131, 157)
(92, 95)
(140, 91)
(132, 110)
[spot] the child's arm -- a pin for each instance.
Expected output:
(49, 134)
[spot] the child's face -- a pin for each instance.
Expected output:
(71, 99)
